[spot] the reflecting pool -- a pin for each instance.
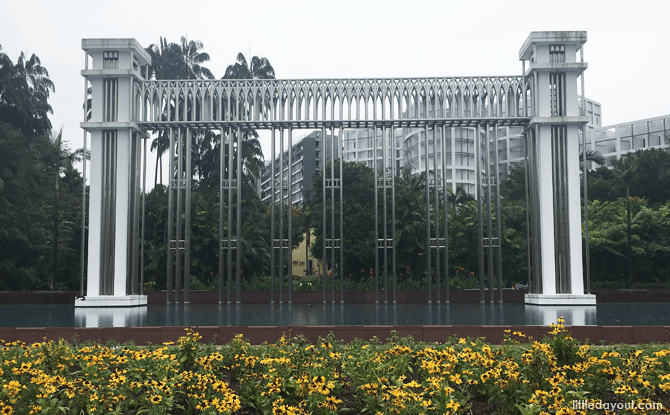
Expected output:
(607, 314)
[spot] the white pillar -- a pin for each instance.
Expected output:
(554, 68)
(117, 64)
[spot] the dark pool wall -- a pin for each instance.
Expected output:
(303, 297)
(270, 334)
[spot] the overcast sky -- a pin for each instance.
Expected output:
(628, 47)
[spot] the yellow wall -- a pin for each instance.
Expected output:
(301, 256)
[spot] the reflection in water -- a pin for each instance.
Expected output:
(110, 316)
(542, 315)
(328, 314)
(333, 315)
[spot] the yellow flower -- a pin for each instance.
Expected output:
(155, 399)
(330, 403)
(453, 405)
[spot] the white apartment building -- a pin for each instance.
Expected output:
(407, 148)
(615, 141)
(307, 154)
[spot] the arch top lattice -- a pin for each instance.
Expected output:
(337, 103)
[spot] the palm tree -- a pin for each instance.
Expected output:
(260, 69)
(178, 60)
(175, 61)
(58, 158)
(24, 94)
(593, 156)
(252, 154)
(459, 198)
(410, 218)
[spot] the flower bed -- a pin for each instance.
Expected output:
(294, 376)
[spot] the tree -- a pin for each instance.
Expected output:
(260, 69)
(178, 60)
(24, 94)
(58, 158)
(650, 228)
(410, 220)
(40, 208)
(358, 205)
(175, 61)
(593, 156)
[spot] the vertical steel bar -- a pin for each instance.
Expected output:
(323, 216)
(83, 186)
(323, 223)
(273, 232)
(131, 248)
(480, 221)
(180, 176)
(489, 223)
(438, 277)
(332, 210)
(144, 204)
(83, 220)
(187, 225)
(290, 215)
(170, 254)
(385, 245)
(427, 191)
(222, 188)
(281, 215)
(238, 251)
(229, 287)
(526, 165)
(137, 247)
(376, 175)
(341, 157)
(393, 233)
(446, 212)
(498, 216)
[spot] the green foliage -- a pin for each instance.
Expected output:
(358, 205)
(650, 227)
(24, 95)
(40, 213)
(646, 173)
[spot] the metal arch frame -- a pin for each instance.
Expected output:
(289, 104)
(542, 100)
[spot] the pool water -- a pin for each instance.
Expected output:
(606, 314)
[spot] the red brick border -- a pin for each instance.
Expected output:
(270, 334)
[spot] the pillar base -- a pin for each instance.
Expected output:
(560, 299)
(111, 301)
